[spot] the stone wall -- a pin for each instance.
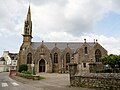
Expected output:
(102, 81)
(27, 76)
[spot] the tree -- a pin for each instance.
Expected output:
(113, 61)
(23, 67)
(118, 61)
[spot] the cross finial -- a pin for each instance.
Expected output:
(85, 40)
(42, 41)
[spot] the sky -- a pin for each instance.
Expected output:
(61, 20)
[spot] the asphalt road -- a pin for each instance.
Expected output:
(6, 83)
(52, 81)
(55, 81)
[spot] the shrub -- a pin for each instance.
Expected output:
(104, 71)
(23, 67)
(26, 72)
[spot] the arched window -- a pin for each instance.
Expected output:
(67, 58)
(98, 55)
(55, 58)
(86, 52)
(29, 58)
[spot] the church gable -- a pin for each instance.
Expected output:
(85, 48)
(65, 52)
(42, 50)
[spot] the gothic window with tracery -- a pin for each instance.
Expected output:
(55, 58)
(98, 55)
(29, 58)
(67, 58)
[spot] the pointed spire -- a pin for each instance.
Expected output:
(29, 14)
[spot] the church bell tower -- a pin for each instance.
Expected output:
(27, 36)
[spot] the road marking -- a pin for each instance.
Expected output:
(15, 84)
(4, 84)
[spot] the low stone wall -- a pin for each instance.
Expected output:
(102, 81)
(34, 77)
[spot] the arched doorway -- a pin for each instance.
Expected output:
(42, 65)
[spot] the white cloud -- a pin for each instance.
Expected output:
(74, 16)
(71, 16)
(59, 20)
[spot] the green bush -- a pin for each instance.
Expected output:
(26, 72)
(23, 67)
(104, 71)
(115, 70)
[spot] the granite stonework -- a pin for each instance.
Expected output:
(54, 57)
(101, 81)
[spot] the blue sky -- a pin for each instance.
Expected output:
(109, 25)
(61, 20)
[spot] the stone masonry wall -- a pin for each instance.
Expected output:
(102, 81)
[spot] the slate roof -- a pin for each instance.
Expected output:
(2, 59)
(60, 45)
(13, 56)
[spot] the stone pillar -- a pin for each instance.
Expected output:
(72, 72)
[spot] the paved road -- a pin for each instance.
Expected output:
(6, 83)
(55, 81)
(52, 81)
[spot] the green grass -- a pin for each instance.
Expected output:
(26, 72)
(40, 78)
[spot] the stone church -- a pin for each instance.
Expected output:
(55, 56)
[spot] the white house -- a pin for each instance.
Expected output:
(10, 60)
(2, 64)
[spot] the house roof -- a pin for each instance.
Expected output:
(13, 56)
(2, 59)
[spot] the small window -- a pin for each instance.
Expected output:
(55, 58)
(84, 65)
(86, 52)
